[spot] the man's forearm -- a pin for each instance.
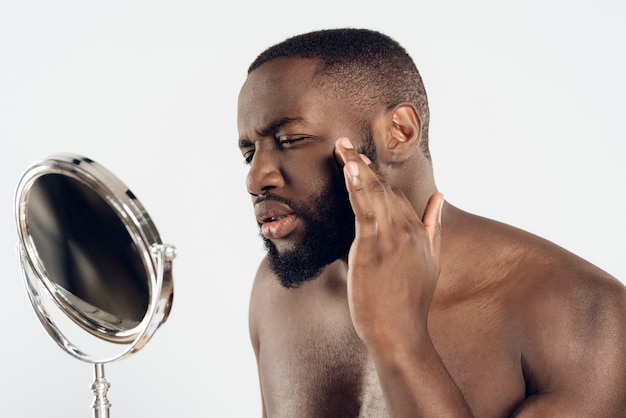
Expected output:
(415, 382)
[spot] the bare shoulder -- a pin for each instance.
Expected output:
(262, 283)
(263, 287)
(562, 294)
(574, 355)
(565, 317)
(572, 319)
(571, 298)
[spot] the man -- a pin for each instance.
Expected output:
(377, 298)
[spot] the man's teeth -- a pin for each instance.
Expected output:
(274, 218)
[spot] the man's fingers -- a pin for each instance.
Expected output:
(343, 150)
(372, 197)
(367, 188)
(377, 208)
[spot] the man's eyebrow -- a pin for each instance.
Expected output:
(245, 143)
(277, 124)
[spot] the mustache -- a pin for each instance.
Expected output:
(272, 197)
(300, 209)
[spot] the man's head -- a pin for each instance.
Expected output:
(366, 67)
(299, 97)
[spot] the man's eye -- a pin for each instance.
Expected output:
(247, 157)
(287, 141)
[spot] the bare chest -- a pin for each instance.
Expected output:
(318, 373)
(318, 367)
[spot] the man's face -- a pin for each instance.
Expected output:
(287, 129)
(329, 231)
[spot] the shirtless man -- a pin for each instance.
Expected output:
(386, 300)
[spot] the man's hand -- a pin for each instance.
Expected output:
(393, 263)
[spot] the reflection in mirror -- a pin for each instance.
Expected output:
(86, 249)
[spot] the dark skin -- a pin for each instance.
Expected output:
(434, 311)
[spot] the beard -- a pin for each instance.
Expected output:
(329, 234)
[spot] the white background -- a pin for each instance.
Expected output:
(527, 101)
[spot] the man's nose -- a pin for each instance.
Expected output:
(265, 173)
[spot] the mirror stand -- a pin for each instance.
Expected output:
(163, 256)
(100, 387)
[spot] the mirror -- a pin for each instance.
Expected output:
(89, 247)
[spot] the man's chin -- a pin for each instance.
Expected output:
(281, 247)
(290, 281)
(294, 266)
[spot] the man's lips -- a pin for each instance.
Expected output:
(277, 220)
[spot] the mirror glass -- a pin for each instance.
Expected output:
(86, 250)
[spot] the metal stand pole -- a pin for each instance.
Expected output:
(100, 387)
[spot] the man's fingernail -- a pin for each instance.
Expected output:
(345, 142)
(443, 200)
(365, 159)
(353, 169)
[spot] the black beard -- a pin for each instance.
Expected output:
(329, 234)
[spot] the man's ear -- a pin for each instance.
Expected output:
(398, 132)
(404, 133)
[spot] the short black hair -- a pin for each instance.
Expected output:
(366, 66)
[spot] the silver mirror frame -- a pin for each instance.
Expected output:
(157, 259)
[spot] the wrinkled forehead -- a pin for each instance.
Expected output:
(275, 87)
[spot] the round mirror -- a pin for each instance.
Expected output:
(89, 246)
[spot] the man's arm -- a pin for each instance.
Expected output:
(394, 262)
(575, 361)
